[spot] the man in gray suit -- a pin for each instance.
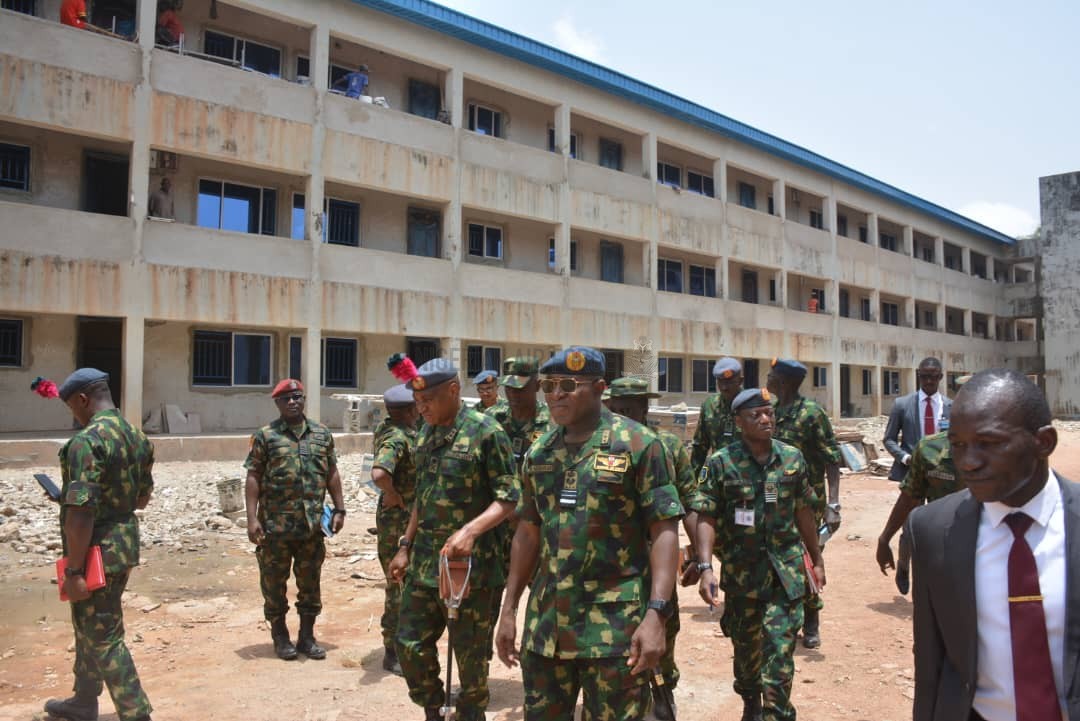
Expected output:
(997, 590)
(922, 413)
(915, 415)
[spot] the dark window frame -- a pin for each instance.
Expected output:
(266, 213)
(239, 50)
(15, 168)
(665, 270)
(606, 247)
(703, 277)
(746, 195)
(669, 174)
(573, 142)
(426, 217)
(345, 366)
(486, 240)
(225, 370)
(26, 7)
(670, 374)
(12, 342)
(610, 154)
(551, 254)
(702, 369)
(497, 126)
(700, 183)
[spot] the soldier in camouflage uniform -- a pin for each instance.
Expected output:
(716, 423)
(756, 497)
(291, 465)
(466, 485)
(106, 470)
(596, 490)
(931, 475)
(487, 387)
(393, 470)
(802, 423)
(630, 398)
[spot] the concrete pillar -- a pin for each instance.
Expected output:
(991, 327)
(965, 255)
(781, 288)
(909, 241)
(454, 97)
(649, 155)
(872, 230)
(314, 217)
(720, 182)
(780, 199)
(649, 256)
(453, 349)
(723, 283)
(132, 369)
(875, 305)
(939, 250)
(939, 311)
(878, 389)
(967, 322)
(909, 312)
(562, 130)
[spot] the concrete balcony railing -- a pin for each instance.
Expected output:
(510, 178)
(809, 250)
(756, 237)
(358, 160)
(592, 178)
(703, 234)
(47, 81)
(41, 230)
(611, 215)
(694, 308)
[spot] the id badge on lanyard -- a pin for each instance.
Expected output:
(744, 516)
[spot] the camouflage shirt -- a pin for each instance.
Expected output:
(932, 474)
(522, 435)
(461, 469)
(395, 453)
(805, 425)
(293, 466)
(716, 429)
(593, 505)
(684, 478)
(106, 468)
(770, 546)
(499, 405)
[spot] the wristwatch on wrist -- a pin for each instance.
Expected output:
(339, 511)
(703, 566)
(835, 507)
(69, 572)
(403, 542)
(664, 608)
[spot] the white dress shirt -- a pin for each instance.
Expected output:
(994, 692)
(935, 403)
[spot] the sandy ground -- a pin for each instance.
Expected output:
(194, 626)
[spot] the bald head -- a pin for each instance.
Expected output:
(1008, 394)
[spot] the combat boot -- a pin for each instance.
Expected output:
(751, 708)
(390, 661)
(80, 707)
(283, 647)
(431, 713)
(306, 643)
(811, 629)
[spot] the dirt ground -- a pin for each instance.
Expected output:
(194, 626)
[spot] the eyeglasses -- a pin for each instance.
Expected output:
(294, 397)
(566, 385)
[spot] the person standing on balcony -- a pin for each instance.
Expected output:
(169, 28)
(161, 201)
(355, 83)
(73, 13)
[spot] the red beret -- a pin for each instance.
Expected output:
(287, 386)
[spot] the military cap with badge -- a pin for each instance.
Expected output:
(726, 368)
(517, 372)
(788, 368)
(751, 398)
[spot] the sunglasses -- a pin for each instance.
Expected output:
(566, 385)
(294, 397)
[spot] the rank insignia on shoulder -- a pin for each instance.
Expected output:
(790, 471)
(614, 462)
(703, 475)
(605, 438)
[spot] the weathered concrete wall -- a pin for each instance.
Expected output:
(1059, 252)
(48, 351)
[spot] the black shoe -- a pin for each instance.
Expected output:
(390, 662)
(283, 647)
(306, 643)
(751, 709)
(903, 579)
(811, 629)
(76, 708)
(431, 713)
(663, 704)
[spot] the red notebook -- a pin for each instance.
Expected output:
(95, 571)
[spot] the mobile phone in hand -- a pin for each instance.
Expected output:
(48, 486)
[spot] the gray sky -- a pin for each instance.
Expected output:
(960, 102)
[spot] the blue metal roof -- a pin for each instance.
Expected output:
(519, 47)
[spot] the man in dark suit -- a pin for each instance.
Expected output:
(915, 415)
(996, 588)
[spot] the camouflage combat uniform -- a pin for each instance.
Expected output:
(762, 575)
(805, 425)
(460, 471)
(500, 405)
(293, 465)
(685, 481)
(932, 474)
(593, 505)
(106, 468)
(394, 453)
(716, 430)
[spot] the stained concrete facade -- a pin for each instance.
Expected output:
(893, 284)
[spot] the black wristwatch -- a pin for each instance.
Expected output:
(403, 542)
(69, 572)
(339, 511)
(664, 608)
(703, 566)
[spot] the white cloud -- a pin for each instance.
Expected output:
(1001, 216)
(576, 41)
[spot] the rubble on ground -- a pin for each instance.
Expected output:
(184, 509)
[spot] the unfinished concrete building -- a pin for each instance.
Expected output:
(486, 196)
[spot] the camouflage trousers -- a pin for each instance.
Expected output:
(391, 523)
(814, 602)
(101, 656)
(305, 556)
(609, 692)
(763, 635)
(671, 629)
(421, 622)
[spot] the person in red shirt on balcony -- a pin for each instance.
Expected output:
(169, 29)
(73, 13)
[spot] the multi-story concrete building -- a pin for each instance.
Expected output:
(497, 197)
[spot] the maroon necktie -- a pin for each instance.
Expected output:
(928, 418)
(1033, 674)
